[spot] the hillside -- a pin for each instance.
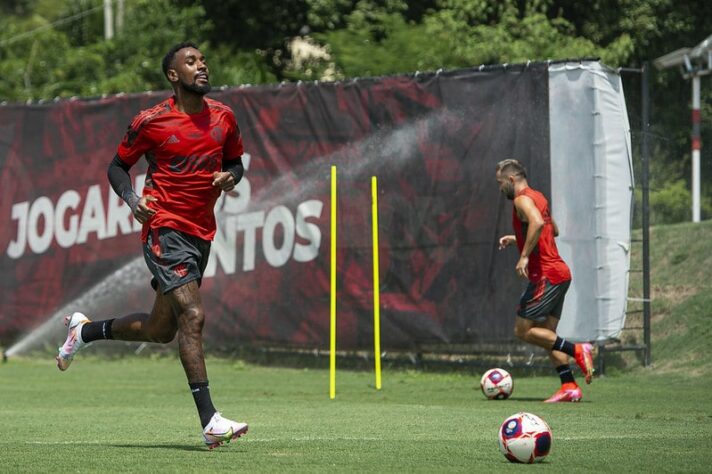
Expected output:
(681, 292)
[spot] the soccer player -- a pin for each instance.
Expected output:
(549, 277)
(194, 152)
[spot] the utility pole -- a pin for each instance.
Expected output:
(108, 20)
(696, 145)
(692, 63)
(119, 15)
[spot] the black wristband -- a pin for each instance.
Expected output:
(235, 168)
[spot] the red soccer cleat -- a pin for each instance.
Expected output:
(584, 359)
(569, 392)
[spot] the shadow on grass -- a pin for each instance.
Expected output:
(528, 399)
(524, 399)
(179, 447)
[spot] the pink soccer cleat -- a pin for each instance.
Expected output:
(569, 392)
(74, 341)
(584, 359)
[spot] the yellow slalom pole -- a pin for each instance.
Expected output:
(376, 284)
(332, 338)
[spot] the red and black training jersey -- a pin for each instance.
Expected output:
(183, 151)
(544, 261)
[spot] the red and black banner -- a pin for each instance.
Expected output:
(432, 140)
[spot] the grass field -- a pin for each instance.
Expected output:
(137, 415)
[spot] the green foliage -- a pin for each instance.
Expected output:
(48, 62)
(235, 67)
(671, 203)
(379, 40)
(381, 43)
(670, 197)
(30, 64)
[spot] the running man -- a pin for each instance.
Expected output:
(549, 277)
(194, 152)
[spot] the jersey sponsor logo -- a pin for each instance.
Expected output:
(194, 163)
(172, 139)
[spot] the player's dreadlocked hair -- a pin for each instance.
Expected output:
(168, 58)
(511, 167)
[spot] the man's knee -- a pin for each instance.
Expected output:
(192, 319)
(522, 328)
(162, 335)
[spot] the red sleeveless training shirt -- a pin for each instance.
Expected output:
(544, 261)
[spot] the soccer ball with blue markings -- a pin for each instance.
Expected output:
(524, 438)
(496, 384)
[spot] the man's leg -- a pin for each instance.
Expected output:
(569, 390)
(543, 302)
(543, 334)
(190, 316)
(188, 307)
(557, 357)
(528, 331)
(532, 332)
(159, 326)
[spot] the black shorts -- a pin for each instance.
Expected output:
(542, 299)
(175, 258)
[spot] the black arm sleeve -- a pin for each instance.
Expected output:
(235, 168)
(120, 180)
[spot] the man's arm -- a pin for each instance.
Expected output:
(525, 206)
(235, 168)
(120, 180)
(232, 171)
(507, 240)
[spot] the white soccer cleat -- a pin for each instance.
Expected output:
(221, 430)
(74, 341)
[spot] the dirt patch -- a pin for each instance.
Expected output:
(688, 363)
(675, 294)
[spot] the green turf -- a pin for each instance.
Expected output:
(137, 415)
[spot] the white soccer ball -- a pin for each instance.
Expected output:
(524, 438)
(496, 384)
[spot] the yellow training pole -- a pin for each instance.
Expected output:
(376, 284)
(332, 345)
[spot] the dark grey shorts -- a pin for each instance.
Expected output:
(175, 258)
(542, 299)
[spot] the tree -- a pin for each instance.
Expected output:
(380, 39)
(41, 61)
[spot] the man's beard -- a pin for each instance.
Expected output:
(196, 89)
(509, 193)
